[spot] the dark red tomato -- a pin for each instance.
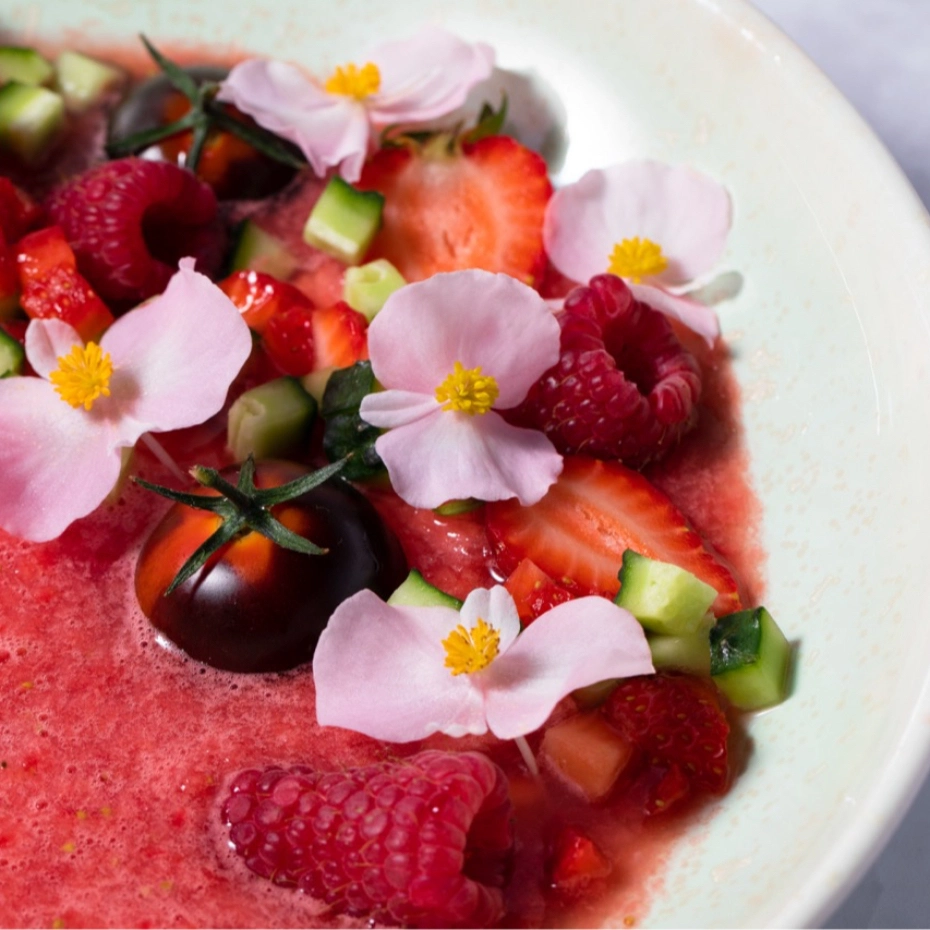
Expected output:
(255, 607)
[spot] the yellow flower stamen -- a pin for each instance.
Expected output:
(83, 375)
(467, 390)
(350, 81)
(471, 650)
(637, 259)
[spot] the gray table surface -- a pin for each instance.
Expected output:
(877, 52)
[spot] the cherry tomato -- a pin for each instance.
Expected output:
(254, 606)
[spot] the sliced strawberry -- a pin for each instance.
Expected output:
(482, 208)
(595, 510)
(52, 287)
(576, 862)
(340, 336)
(534, 592)
(18, 211)
(260, 296)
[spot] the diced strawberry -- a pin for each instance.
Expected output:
(340, 336)
(534, 592)
(576, 862)
(480, 208)
(594, 512)
(18, 211)
(288, 339)
(9, 278)
(52, 287)
(260, 296)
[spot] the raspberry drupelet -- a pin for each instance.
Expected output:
(421, 842)
(624, 387)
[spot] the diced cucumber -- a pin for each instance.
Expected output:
(83, 81)
(416, 591)
(258, 250)
(315, 383)
(749, 659)
(270, 420)
(24, 65)
(12, 356)
(690, 653)
(31, 119)
(663, 597)
(344, 221)
(366, 287)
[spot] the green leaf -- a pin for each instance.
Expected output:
(266, 142)
(175, 73)
(268, 497)
(138, 141)
(198, 501)
(227, 532)
(490, 122)
(282, 536)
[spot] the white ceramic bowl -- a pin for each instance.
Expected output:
(831, 337)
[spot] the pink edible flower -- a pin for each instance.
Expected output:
(403, 673)
(657, 226)
(163, 366)
(451, 351)
(404, 82)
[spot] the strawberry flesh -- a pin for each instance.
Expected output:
(594, 512)
(482, 208)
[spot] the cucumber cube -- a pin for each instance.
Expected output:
(367, 287)
(83, 81)
(270, 420)
(416, 591)
(24, 65)
(12, 356)
(749, 659)
(31, 119)
(663, 597)
(344, 221)
(258, 250)
(689, 653)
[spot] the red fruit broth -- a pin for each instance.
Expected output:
(114, 748)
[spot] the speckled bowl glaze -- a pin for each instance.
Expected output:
(831, 338)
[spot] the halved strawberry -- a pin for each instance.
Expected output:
(534, 592)
(482, 207)
(52, 287)
(260, 296)
(594, 511)
(288, 340)
(340, 335)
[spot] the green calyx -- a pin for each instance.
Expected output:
(243, 508)
(204, 116)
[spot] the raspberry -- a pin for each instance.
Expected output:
(680, 733)
(624, 387)
(421, 842)
(130, 220)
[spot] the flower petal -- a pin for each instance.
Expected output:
(575, 644)
(496, 607)
(175, 357)
(47, 341)
(473, 317)
(388, 409)
(426, 76)
(449, 455)
(680, 209)
(331, 130)
(380, 670)
(696, 316)
(58, 463)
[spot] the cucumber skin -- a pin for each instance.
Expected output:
(673, 605)
(12, 356)
(416, 591)
(750, 659)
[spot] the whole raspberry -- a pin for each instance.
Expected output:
(624, 387)
(130, 220)
(421, 842)
(680, 735)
